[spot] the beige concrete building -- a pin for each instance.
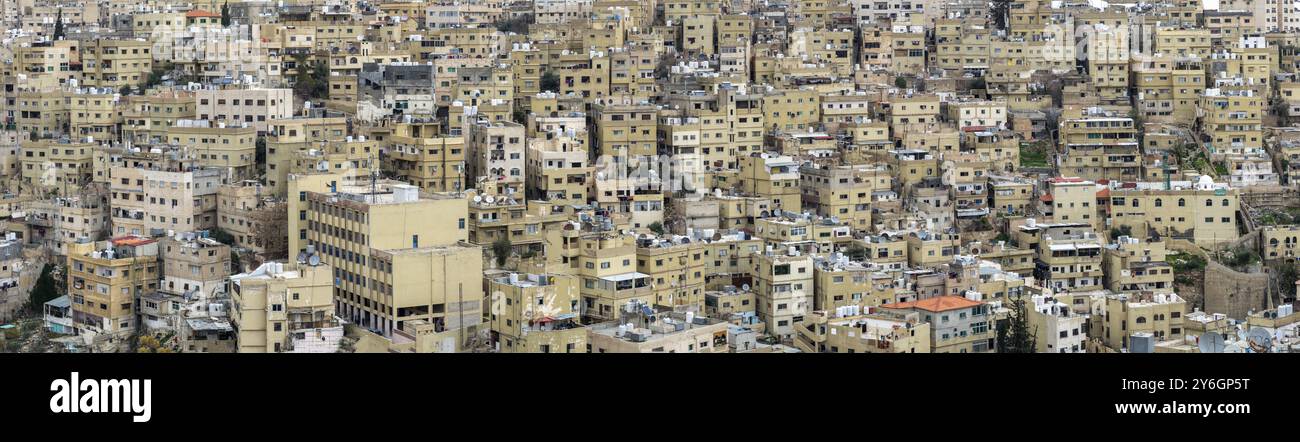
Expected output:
(398, 256)
(256, 107)
(284, 308)
(112, 63)
(784, 285)
(822, 332)
(104, 280)
(957, 324)
(670, 332)
(535, 313)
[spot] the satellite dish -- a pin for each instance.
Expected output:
(302, 256)
(744, 287)
(1211, 342)
(489, 199)
(314, 260)
(478, 199)
(1261, 341)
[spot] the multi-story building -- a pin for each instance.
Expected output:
(957, 324)
(193, 266)
(1057, 328)
(285, 308)
(104, 280)
(1204, 212)
(114, 64)
(256, 107)
(1115, 318)
(535, 313)
(825, 332)
(784, 286)
(399, 256)
(670, 332)
(1133, 265)
(496, 155)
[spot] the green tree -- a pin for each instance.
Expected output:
(312, 79)
(225, 14)
(260, 147)
(856, 252)
(236, 264)
(1016, 336)
(501, 250)
(46, 289)
(550, 82)
(222, 236)
(656, 227)
(58, 25)
(900, 82)
(518, 25)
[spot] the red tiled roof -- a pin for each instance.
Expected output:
(1047, 198)
(935, 304)
(1103, 193)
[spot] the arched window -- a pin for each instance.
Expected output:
(1142, 320)
(1225, 202)
(1209, 202)
(1160, 202)
(1182, 202)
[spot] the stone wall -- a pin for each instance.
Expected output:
(1226, 290)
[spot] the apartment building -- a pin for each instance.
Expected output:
(288, 137)
(826, 332)
(162, 199)
(496, 155)
(1204, 212)
(104, 280)
(1133, 265)
(957, 324)
(256, 107)
(232, 149)
(1099, 145)
(285, 308)
(237, 207)
(535, 313)
(773, 177)
(114, 64)
(194, 266)
(1116, 318)
(670, 332)
(1057, 328)
(784, 286)
(399, 256)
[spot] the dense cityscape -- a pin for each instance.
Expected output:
(631, 176)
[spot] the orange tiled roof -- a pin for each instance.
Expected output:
(200, 13)
(936, 304)
(131, 241)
